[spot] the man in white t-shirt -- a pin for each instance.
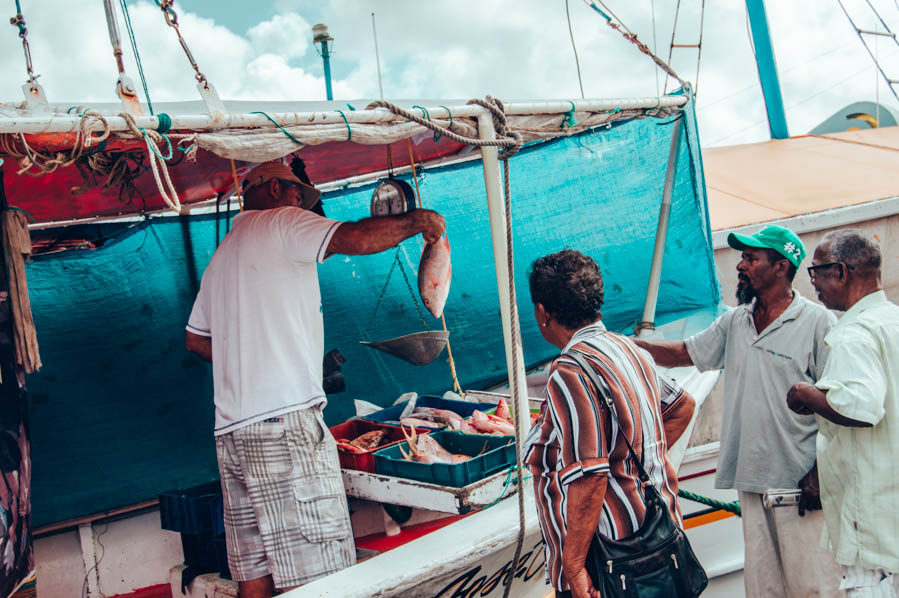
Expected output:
(258, 320)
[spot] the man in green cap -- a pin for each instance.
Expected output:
(771, 341)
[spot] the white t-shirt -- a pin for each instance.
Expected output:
(260, 302)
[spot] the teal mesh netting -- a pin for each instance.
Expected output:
(120, 411)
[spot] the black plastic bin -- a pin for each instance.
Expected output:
(194, 511)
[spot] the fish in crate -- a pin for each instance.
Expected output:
(424, 449)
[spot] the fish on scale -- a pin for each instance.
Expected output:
(434, 275)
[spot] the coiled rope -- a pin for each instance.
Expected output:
(46, 163)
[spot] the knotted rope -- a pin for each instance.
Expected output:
(157, 160)
(46, 163)
(506, 138)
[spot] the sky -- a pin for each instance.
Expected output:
(511, 49)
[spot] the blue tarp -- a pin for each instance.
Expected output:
(120, 411)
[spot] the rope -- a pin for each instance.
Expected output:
(513, 315)
(349, 131)
(457, 388)
(510, 140)
(46, 162)
(568, 119)
(621, 28)
(157, 161)
(438, 136)
(236, 188)
(140, 66)
(577, 63)
(730, 507)
(283, 130)
(165, 123)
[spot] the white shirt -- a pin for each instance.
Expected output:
(858, 468)
(260, 302)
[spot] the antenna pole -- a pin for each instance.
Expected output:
(320, 36)
(374, 32)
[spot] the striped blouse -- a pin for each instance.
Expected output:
(574, 434)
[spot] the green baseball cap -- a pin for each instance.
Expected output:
(780, 239)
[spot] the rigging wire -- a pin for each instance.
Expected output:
(799, 103)
(577, 62)
(655, 41)
(140, 66)
(698, 45)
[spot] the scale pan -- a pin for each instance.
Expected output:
(419, 348)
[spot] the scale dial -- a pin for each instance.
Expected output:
(392, 196)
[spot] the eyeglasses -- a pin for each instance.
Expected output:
(811, 269)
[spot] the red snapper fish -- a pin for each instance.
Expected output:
(434, 275)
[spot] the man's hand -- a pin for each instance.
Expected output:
(796, 398)
(432, 223)
(810, 499)
(580, 583)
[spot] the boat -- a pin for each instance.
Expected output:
(134, 266)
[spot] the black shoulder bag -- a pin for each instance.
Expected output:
(654, 562)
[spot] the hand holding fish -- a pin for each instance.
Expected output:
(431, 223)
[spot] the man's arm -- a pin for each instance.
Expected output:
(380, 233)
(585, 497)
(806, 399)
(201, 345)
(667, 354)
(677, 417)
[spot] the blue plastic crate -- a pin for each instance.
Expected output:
(463, 408)
(196, 510)
(490, 454)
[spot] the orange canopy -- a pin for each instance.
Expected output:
(776, 179)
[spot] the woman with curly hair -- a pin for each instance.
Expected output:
(576, 450)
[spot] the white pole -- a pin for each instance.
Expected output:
(655, 271)
(17, 122)
(497, 212)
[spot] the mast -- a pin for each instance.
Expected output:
(320, 36)
(764, 58)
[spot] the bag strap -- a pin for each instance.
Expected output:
(581, 360)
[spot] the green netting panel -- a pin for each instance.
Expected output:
(121, 411)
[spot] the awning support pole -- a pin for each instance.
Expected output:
(508, 309)
(655, 271)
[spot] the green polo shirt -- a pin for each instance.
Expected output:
(764, 445)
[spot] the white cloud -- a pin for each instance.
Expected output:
(285, 34)
(436, 50)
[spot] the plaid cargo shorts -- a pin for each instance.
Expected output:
(285, 509)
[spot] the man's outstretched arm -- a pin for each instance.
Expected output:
(201, 345)
(380, 233)
(668, 354)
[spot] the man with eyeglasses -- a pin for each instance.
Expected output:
(773, 340)
(258, 320)
(856, 403)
